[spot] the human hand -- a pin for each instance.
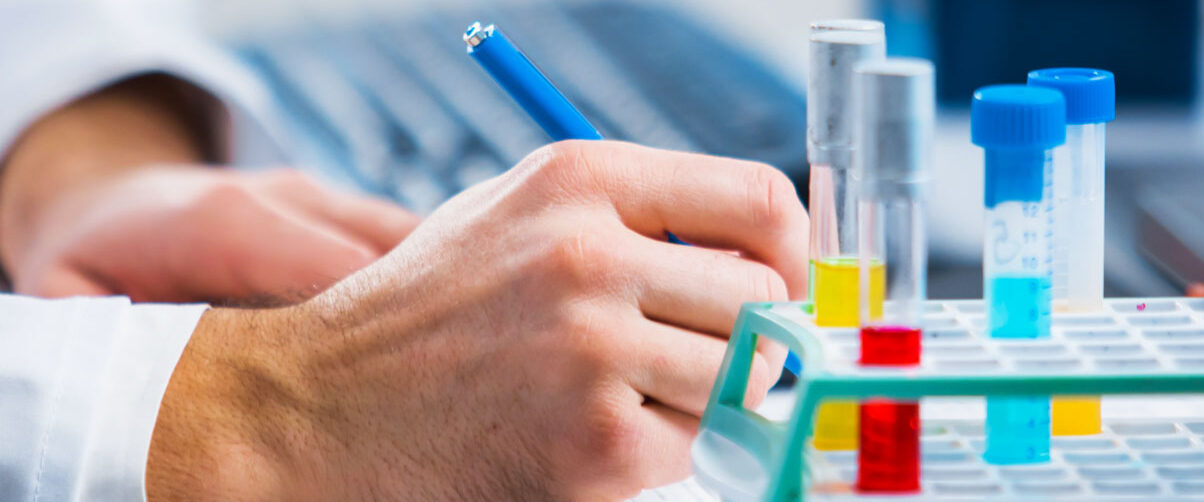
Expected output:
(534, 339)
(110, 194)
(192, 233)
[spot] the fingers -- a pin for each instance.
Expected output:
(666, 450)
(674, 366)
(376, 222)
(304, 256)
(384, 224)
(62, 282)
(662, 454)
(678, 367)
(264, 252)
(712, 201)
(700, 289)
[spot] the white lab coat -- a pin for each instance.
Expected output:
(52, 51)
(81, 379)
(80, 384)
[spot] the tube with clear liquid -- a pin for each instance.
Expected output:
(1078, 277)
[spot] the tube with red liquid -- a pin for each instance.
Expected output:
(893, 140)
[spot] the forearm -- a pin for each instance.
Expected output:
(139, 122)
(210, 441)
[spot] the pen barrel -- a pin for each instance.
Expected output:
(531, 89)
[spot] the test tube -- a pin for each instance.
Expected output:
(896, 109)
(835, 46)
(1078, 276)
(1018, 127)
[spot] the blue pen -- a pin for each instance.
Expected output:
(526, 84)
(519, 77)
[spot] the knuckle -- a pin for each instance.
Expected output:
(582, 258)
(769, 196)
(590, 343)
(612, 435)
(560, 161)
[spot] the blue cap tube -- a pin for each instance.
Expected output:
(1078, 202)
(1078, 193)
(1018, 127)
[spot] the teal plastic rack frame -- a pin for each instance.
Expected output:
(1137, 346)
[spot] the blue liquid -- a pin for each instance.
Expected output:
(1019, 307)
(1017, 430)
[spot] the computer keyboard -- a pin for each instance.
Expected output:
(724, 100)
(397, 108)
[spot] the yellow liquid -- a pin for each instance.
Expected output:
(836, 426)
(836, 291)
(836, 294)
(1075, 415)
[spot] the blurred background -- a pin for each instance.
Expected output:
(380, 95)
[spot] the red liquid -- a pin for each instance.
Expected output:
(888, 451)
(890, 345)
(888, 455)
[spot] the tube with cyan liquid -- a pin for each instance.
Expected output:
(1018, 127)
(896, 109)
(1078, 276)
(836, 46)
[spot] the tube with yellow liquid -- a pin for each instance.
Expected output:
(835, 48)
(1078, 200)
(837, 422)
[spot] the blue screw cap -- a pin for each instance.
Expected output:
(1090, 94)
(1017, 117)
(1016, 125)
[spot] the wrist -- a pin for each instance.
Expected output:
(230, 424)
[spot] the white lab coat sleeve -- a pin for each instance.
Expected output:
(81, 380)
(53, 51)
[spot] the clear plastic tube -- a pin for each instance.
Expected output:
(1017, 269)
(1079, 252)
(1079, 207)
(1018, 127)
(834, 247)
(896, 110)
(888, 456)
(1078, 264)
(1018, 259)
(893, 234)
(835, 47)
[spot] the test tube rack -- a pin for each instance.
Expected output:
(1135, 346)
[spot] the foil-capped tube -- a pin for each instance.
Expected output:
(836, 47)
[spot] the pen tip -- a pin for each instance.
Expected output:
(472, 30)
(475, 34)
